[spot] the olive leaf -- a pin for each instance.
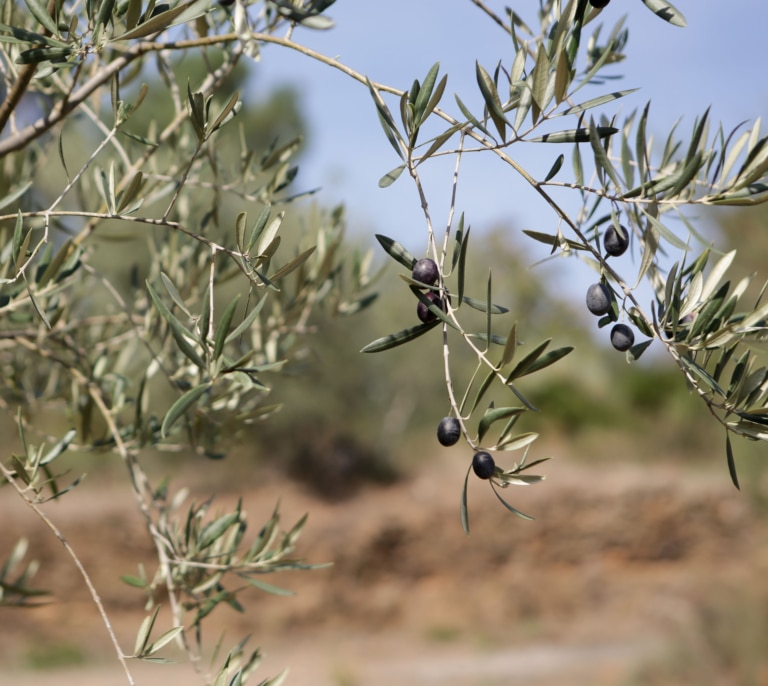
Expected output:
(399, 338)
(180, 407)
(396, 251)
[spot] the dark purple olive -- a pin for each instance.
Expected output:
(622, 337)
(599, 299)
(483, 464)
(616, 242)
(426, 271)
(599, 4)
(423, 312)
(448, 431)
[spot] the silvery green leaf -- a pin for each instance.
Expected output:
(667, 11)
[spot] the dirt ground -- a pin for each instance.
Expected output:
(610, 576)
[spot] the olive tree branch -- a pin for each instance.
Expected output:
(122, 658)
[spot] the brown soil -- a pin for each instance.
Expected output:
(608, 576)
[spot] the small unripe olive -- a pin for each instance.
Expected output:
(599, 299)
(448, 431)
(423, 312)
(426, 271)
(483, 464)
(599, 4)
(616, 242)
(622, 337)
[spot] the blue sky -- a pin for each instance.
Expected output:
(717, 61)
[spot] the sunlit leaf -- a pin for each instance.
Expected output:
(396, 251)
(491, 97)
(391, 176)
(666, 11)
(573, 135)
(493, 415)
(595, 102)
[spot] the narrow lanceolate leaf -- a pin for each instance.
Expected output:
(23, 36)
(595, 102)
(59, 448)
(268, 588)
(462, 264)
(496, 414)
(555, 168)
(601, 156)
(425, 92)
(39, 11)
(246, 324)
(513, 510)
(540, 79)
(386, 120)
(16, 246)
(522, 367)
(548, 359)
(716, 275)
(471, 117)
(433, 308)
(293, 264)
(573, 135)
(491, 97)
(553, 240)
(464, 511)
(399, 338)
(229, 111)
(105, 12)
(459, 239)
(130, 193)
(509, 347)
(269, 235)
(667, 11)
(14, 195)
(437, 142)
(142, 637)
(180, 14)
(563, 76)
(754, 194)
(702, 374)
(174, 293)
(38, 309)
(391, 176)
(163, 640)
(222, 330)
(396, 251)
(519, 442)
(180, 407)
(731, 461)
(179, 333)
(483, 306)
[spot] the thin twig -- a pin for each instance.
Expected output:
(9, 476)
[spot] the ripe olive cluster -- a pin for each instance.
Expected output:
(427, 272)
(449, 432)
(599, 296)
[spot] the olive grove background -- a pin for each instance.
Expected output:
(177, 299)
